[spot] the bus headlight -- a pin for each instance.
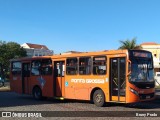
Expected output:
(133, 91)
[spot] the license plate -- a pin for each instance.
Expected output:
(147, 97)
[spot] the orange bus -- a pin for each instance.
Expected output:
(122, 76)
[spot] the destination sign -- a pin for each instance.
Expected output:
(141, 54)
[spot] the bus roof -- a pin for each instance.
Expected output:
(29, 58)
(71, 55)
(106, 52)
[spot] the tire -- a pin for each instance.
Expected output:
(98, 98)
(37, 93)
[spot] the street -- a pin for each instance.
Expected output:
(10, 101)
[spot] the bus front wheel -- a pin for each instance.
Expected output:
(37, 93)
(98, 98)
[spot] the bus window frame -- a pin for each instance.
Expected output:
(32, 74)
(75, 65)
(44, 66)
(133, 57)
(85, 66)
(93, 60)
(40, 67)
(14, 73)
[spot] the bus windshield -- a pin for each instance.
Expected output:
(142, 70)
(141, 66)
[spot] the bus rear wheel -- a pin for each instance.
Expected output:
(98, 98)
(37, 93)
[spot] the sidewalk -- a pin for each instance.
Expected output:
(6, 88)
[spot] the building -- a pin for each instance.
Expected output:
(155, 49)
(70, 52)
(36, 50)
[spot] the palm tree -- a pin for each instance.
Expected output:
(129, 44)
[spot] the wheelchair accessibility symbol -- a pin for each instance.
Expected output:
(66, 84)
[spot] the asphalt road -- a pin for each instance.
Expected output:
(10, 101)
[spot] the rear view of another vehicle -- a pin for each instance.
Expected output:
(157, 79)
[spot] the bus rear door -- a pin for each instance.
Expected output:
(117, 79)
(59, 78)
(25, 77)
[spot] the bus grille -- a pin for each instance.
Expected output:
(146, 96)
(145, 86)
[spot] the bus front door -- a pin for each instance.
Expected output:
(25, 77)
(117, 79)
(59, 78)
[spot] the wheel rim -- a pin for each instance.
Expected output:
(98, 98)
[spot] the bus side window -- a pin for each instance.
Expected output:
(99, 65)
(71, 66)
(16, 68)
(35, 70)
(46, 67)
(85, 66)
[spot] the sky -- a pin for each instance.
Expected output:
(79, 25)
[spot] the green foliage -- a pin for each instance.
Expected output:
(9, 51)
(129, 44)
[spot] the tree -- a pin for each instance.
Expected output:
(129, 44)
(9, 51)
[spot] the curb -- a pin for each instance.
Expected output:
(5, 89)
